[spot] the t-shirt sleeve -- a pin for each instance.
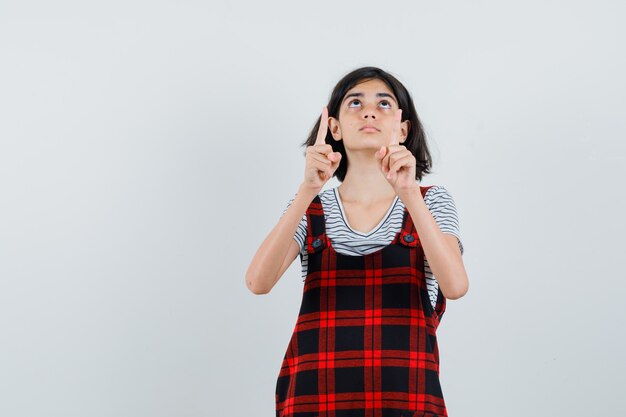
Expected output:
(300, 235)
(441, 205)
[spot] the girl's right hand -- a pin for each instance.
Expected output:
(321, 161)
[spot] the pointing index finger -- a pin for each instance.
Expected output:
(395, 132)
(323, 129)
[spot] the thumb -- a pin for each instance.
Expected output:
(335, 161)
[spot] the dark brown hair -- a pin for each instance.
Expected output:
(416, 139)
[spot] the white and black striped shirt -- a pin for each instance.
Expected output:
(347, 241)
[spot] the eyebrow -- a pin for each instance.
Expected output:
(377, 95)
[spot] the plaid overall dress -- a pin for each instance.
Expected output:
(364, 343)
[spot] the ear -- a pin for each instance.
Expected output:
(335, 128)
(404, 130)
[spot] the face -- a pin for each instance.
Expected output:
(366, 117)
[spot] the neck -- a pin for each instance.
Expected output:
(364, 182)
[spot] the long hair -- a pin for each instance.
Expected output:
(416, 138)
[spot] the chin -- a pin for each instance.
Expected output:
(366, 147)
(373, 138)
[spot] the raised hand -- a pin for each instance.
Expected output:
(321, 161)
(397, 163)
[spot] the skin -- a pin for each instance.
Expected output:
(380, 169)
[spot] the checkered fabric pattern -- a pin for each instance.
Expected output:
(364, 344)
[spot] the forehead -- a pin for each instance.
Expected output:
(371, 87)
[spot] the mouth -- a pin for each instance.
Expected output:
(369, 129)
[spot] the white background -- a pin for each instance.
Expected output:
(148, 147)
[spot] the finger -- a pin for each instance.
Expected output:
(382, 159)
(396, 165)
(395, 131)
(321, 158)
(320, 167)
(394, 152)
(322, 148)
(336, 163)
(324, 153)
(325, 150)
(387, 159)
(328, 173)
(323, 129)
(380, 154)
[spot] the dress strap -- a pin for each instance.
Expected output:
(316, 238)
(408, 234)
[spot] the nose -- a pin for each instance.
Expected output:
(369, 113)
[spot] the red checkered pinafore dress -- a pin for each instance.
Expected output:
(364, 343)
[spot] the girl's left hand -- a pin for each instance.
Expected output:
(397, 163)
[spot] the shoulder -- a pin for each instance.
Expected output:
(328, 199)
(441, 205)
(440, 202)
(435, 190)
(438, 194)
(324, 200)
(327, 194)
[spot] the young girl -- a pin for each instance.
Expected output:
(380, 256)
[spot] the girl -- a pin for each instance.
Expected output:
(380, 256)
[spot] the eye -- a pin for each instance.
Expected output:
(385, 103)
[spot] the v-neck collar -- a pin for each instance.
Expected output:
(345, 218)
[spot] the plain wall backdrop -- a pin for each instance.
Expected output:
(148, 147)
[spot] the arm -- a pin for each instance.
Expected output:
(441, 249)
(279, 248)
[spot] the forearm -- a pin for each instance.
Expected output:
(444, 261)
(266, 263)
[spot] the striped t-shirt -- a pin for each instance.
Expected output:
(347, 241)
